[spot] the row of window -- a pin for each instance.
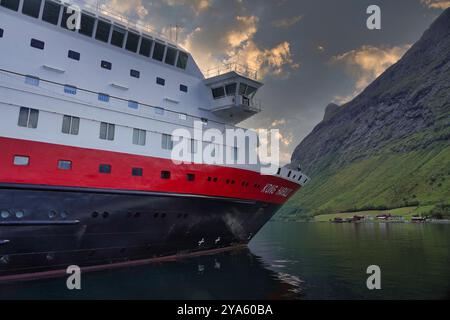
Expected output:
(29, 118)
(23, 161)
(230, 90)
(102, 30)
(38, 44)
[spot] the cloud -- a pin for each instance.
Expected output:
(436, 4)
(366, 64)
(287, 22)
(244, 30)
(126, 7)
(198, 6)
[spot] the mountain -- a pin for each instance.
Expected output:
(389, 147)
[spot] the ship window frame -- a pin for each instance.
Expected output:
(133, 104)
(159, 111)
(171, 56)
(160, 81)
(230, 89)
(132, 43)
(32, 80)
(139, 137)
(51, 12)
(21, 160)
(30, 8)
(64, 17)
(69, 89)
(74, 55)
(135, 74)
(37, 44)
(190, 177)
(103, 97)
(182, 60)
(11, 4)
(102, 30)
(137, 172)
(107, 131)
(158, 51)
(28, 118)
(106, 65)
(165, 175)
(65, 165)
(184, 88)
(148, 50)
(1, 33)
(218, 93)
(104, 168)
(70, 125)
(87, 25)
(118, 31)
(166, 141)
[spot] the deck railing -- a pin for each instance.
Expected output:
(229, 67)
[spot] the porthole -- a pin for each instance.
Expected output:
(137, 215)
(185, 215)
(163, 215)
(64, 215)
(52, 214)
(4, 260)
(209, 179)
(105, 215)
(156, 215)
(179, 216)
(20, 214)
(95, 215)
(5, 214)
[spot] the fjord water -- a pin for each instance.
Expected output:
(284, 261)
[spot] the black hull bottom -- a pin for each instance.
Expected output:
(43, 229)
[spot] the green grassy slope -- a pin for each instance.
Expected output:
(392, 180)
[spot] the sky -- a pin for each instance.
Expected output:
(308, 53)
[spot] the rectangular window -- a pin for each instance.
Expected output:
(118, 37)
(159, 111)
(51, 12)
(133, 104)
(167, 142)
(38, 44)
(235, 154)
(106, 65)
(171, 55)
(65, 17)
(231, 89)
(146, 47)
(182, 116)
(218, 93)
(182, 60)
(137, 172)
(21, 160)
(28, 118)
(104, 168)
(31, 8)
(102, 33)
(190, 177)
(103, 97)
(107, 131)
(158, 51)
(87, 24)
(194, 145)
(73, 55)
(1, 33)
(11, 4)
(165, 175)
(183, 88)
(64, 165)
(139, 137)
(161, 81)
(70, 89)
(132, 42)
(31, 80)
(135, 73)
(70, 125)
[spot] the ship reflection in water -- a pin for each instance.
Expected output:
(235, 274)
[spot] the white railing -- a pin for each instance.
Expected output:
(101, 8)
(229, 67)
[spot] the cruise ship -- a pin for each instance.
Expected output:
(86, 137)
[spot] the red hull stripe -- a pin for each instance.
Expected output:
(43, 170)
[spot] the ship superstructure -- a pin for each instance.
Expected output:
(86, 134)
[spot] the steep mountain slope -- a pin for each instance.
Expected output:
(389, 147)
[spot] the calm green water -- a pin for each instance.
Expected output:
(284, 261)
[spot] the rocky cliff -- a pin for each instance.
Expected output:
(405, 112)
